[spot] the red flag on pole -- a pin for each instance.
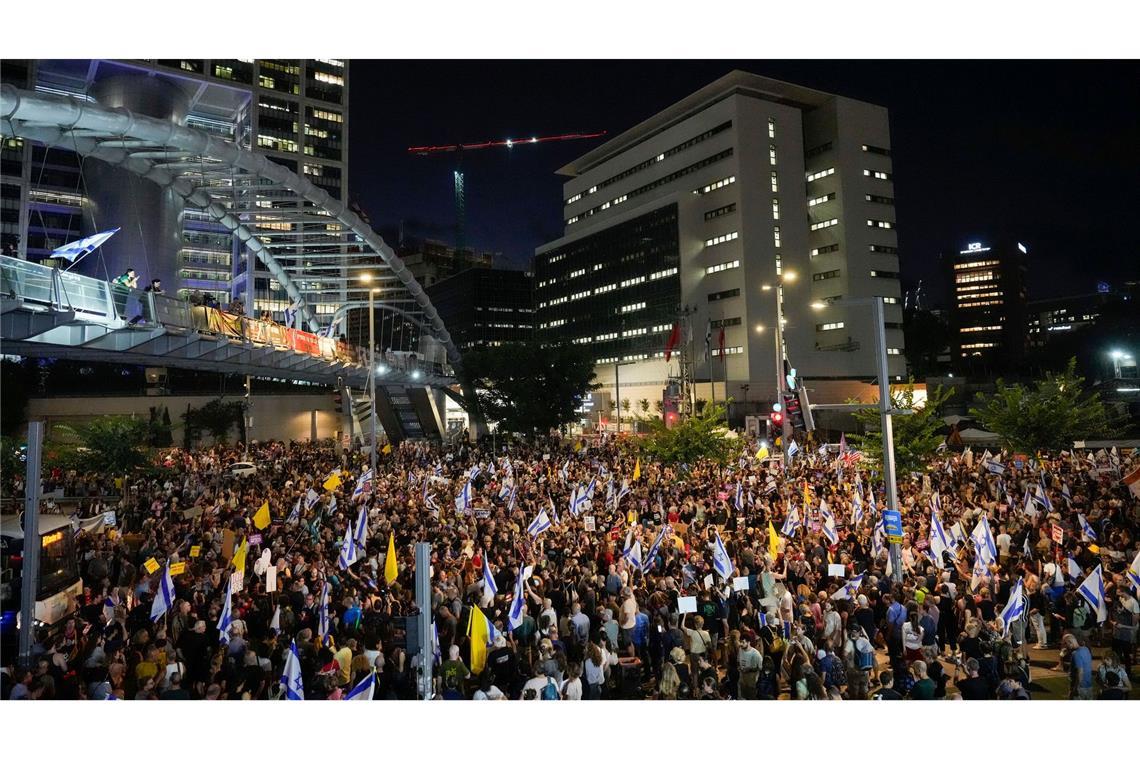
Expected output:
(674, 339)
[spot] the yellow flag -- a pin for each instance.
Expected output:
(807, 494)
(261, 517)
(577, 446)
(332, 482)
(387, 449)
(762, 453)
(773, 542)
(637, 469)
(478, 628)
(391, 569)
(239, 555)
(177, 568)
(195, 550)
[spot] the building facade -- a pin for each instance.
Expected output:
(293, 111)
(987, 304)
(700, 211)
(486, 307)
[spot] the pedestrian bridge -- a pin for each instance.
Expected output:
(47, 312)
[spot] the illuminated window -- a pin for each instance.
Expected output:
(576, 273)
(881, 224)
(772, 155)
(633, 307)
(826, 327)
(573, 199)
(775, 182)
(884, 274)
(722, 266)
(633, 281)
(776, 236)
(775, 209)
(716, 185)
(821, 199)
(321, 76)
(893, 351)
(825, 249)
(880, 199)
(821, 174)
(663, 273)
(728, 350)
(883, 249)
(824, 224)
(771, 128)
(605, 288)
(876, 174)
(719, 239)
(878, 151)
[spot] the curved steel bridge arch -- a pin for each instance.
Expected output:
(175, 156)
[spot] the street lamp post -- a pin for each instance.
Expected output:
(885, 413)
(781, 381)
(371, 369)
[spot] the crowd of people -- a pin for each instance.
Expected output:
(602, 575)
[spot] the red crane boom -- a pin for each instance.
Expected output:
(427, 150)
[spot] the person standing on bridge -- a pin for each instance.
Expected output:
(123, 285)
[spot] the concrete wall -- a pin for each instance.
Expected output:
(281, 417)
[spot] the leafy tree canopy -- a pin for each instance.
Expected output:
(916, 436)
(700, 438)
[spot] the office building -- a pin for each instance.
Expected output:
(987, 304)
(700, 207)
(293, 111)
(486, 307)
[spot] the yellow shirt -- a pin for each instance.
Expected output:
(343, 659)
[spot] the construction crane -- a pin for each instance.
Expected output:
(458, 177)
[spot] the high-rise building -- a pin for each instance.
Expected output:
(987, 304)
(486, 307)
(702, 206)
(293, 111)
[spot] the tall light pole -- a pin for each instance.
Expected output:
(885, 412)
(781, 381)
(371, 367)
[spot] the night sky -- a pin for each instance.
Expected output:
(1042, 152)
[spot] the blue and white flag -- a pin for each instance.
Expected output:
(1066, 495)
(980, 574)
(489, 587)
(871, 498)
(722, 563)
(655, 547)
(623, 492)
(1029, 505)
(632, 550)
(1087, 532)
(1092, 591)
(79, 248)
(474, 472)
(518, 603)
(1014, 608)
(364, 484)
(1133, 573)
(463, 500)
(164, 598)
(295, 515)
(994, 468)
(491, 467)
(565, 471)
(311, 498)
(1074, 569)
(323, 626)
(856, 509)
(578, 501)
(738, 500)
(363, 691)
(850, 589)
(512, 502)
(290, 316)
(984, 541)
(275, 621)
(936, 501)
(355, 536)
(438, 470)
(539, 525)
(830, 531)
(791, 522)
(611, 493)
(505, 490)
(939, 540)
(877, 536)
(793, 449)
(957, 535)
(553, 509)
(436, 653)
(227, 616)
(291, 677)
(590, 488)
(1042, 499)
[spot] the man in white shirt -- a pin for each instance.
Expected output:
(628, 610)
(580, 624)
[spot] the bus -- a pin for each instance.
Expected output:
(60, 585)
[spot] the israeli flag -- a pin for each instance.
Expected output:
(311, 498)
(165, 596)
(354, 540)
(565, 471)
(227, 616)
(611, 494)
(505, 490)
(1026, 549)
(1041, 498)
(290, 316)
(363, 691)
(857, 510)
(291, 677)
(957, 535)
(655, 547)
(553, 509)
(591, 487)
(850, 589)
(791, 522)
(1014, 608)
(518, 603)
(1073, 568)
(793, 449)
(984, 541)
(489, 587)
(623, 492)
(80, 248)
(871, 498)
(859, 488)
(721, 561)
(738, 501)
(463, 500)
(275, 621)
(936, 501)
(438, 470)
(429, 501)
(1087, 532)
(508, 467)
(994, 468)
(579, 500)
(323, 619)
(1092, 591)
(980, 574)
(491, 467)
(1133, 572)
(1066, 495)
(295, 515)
(830, 531)
(1028, 506)
(331, 508)
(513, 501)
(539, 525)
(938, 540)
(474, 472)
(109, 608)
(632, 551)
(877, 536)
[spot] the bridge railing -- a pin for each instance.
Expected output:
(49, 288)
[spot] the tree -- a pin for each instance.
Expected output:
(217, 418)
(701, 437)
(659, 405)
(112, 445)
(1047, 417)
(644, 405)
(529, 387)
(916, 436)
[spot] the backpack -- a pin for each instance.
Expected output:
(864, 654)
(550, 691)
(777, 646)
(837, 674)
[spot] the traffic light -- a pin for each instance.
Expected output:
(338, 402)
(776, 419)
(794, 411)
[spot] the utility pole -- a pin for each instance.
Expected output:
(30, 572)
(887, 428)
(781, 380)
(685, 360)
(372, 375)
(423, 602)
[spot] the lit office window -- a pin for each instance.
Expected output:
(828, 326)
(771, 128)
(722, 266)
(721, 239)
(775, 209)
(820, 174)
(824, 224)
